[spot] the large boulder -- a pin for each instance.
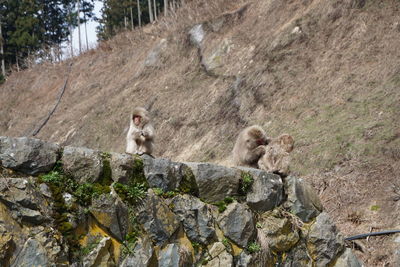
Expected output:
(157, 219)
(196, 35)
(82, 164)
(298, 256)
(28, 156)
(215, 182)
(122, 167)
(154, 57)
(32, 254)
(196, 217)
(279, 231)
(347, 259)
(175, 255)
(237, 223)
(324, 242)
(142, 256)
(302, 199)
(168, 175)
(266, 192)
(100, 255)
(111, 214)
(24, 201)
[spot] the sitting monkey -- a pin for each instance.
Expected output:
(140, 137)
(249, 146)
(276, 158)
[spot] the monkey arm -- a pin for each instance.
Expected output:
(254, 155)
(148, 132)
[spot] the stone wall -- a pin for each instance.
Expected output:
(68, 206)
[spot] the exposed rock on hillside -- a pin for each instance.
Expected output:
(71, 215)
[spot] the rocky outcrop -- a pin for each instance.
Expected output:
(107, 209)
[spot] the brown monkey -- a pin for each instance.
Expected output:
(140, 137)
(249, 146)
(276, 158)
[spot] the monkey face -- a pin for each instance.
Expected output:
(136, 120)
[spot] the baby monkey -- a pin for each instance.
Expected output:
(140, 137)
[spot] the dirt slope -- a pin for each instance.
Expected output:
(325, 71)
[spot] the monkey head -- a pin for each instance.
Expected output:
(140, 116)
(256, 137)
(287, 142)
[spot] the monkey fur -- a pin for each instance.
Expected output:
(249, 146)
(276, 158)
(140, 138)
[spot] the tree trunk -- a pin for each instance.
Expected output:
(150, 11)
(165, 7)
(71, 42)
(139, 13)
(16, 61)
(3, 65)
(132, 18)
(155, 9)
(87, 42)
(79, 27)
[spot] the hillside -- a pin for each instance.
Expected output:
(326, 72)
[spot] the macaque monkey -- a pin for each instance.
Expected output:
(249, 146)
(276, 158)
(140, 137)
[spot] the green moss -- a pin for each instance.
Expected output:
(196, 246)
(138, 176)
(132, 193)
(246, 182)
(158, 191)
(253, 247)
(106, 176)
(223, 204)
(226, 243)
(188, 184)
(92, 243)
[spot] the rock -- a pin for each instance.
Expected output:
(173, 255)
(112, 214)
(298, 256)
(266, 192)
(302, 199)
(7, 247)
(153, 58)
(196, 217)
(214, 62)
(215, 182)
(237, 224)
(122, 167)
(25, 202)
(83, 164)
(100, 256)
(142, 256)
(243, 260)
(197, 35)
(157, 219)
(324, 242)
(28, 156)
(222, 260)
(279, 232)
(167, 175)
(45, 190)
(32, 254)
(347, 259)
(216, 249)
